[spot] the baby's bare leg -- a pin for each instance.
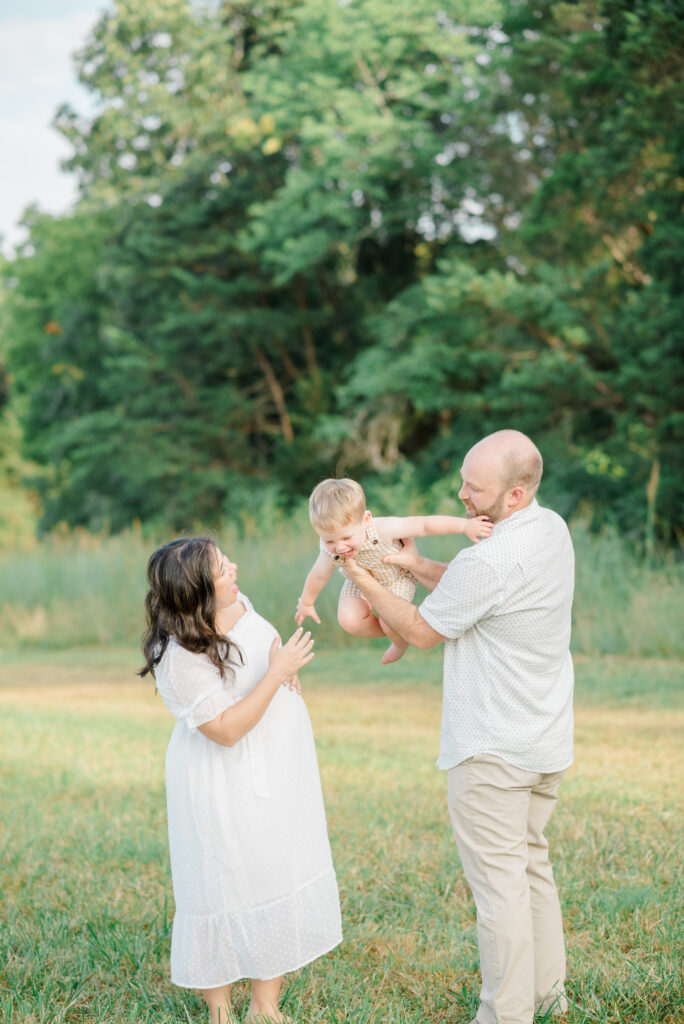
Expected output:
(355, 617)
(397, 647)
(397, 640)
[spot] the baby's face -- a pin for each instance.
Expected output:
(346, 540)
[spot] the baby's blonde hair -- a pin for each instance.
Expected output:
(335, 503)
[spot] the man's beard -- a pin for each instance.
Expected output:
(494, 512)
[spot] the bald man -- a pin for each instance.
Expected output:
(502, 609)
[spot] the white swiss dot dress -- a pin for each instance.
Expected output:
(253, 879)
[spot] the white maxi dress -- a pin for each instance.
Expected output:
(253, 879)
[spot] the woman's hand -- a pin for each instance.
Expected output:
(286, 661)
(293, 684)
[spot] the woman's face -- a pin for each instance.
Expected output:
(225, 580)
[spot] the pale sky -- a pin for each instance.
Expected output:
(37, 40)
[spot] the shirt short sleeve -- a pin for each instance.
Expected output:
(191, 686)
(468, 591)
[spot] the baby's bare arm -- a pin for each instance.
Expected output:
(392, 528)
(396, 527)
(320, 573)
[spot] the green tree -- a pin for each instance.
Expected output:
(574, 331)
(603, 85)
(318, 236)
(253, 225)
(53, 315)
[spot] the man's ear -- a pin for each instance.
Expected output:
(515, 496)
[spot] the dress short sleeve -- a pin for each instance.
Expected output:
(191, 686)
(468, 591)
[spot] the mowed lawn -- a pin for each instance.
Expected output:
(85, 884)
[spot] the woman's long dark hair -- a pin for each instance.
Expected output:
(181, 602)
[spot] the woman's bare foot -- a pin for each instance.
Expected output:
(223, 1016)
(263, 1003)
(272, 1017)
(393, 653)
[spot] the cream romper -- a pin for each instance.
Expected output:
(397, 580)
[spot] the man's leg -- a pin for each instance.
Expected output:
(549, 947)
(489, 802)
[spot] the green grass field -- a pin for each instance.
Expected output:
(85, 882)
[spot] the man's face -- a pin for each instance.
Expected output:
(481, 491)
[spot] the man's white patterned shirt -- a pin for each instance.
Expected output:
(504, 606)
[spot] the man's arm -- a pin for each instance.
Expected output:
(426, 570)
(400, 615)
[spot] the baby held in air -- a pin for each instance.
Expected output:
(338, 513)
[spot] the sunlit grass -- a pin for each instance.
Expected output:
(86, 893)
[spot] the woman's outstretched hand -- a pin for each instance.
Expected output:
(287, 660)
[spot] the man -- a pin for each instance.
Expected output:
(502, 609)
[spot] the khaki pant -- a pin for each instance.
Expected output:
(498, 814)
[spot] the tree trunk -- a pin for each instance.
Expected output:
(277, 395)
(307, 334)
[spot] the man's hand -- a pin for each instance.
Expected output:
(355, 571)
(426, 571)
(407, 558)
(478, 528)
(400, 615)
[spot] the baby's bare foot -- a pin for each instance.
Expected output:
(393, 653)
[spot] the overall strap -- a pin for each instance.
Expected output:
(371, 531)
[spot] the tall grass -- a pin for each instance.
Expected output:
(82, 590)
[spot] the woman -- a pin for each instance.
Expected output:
(253, 880)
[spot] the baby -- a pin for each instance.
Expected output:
(337, 509)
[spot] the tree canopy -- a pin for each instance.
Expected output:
(358, 236)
